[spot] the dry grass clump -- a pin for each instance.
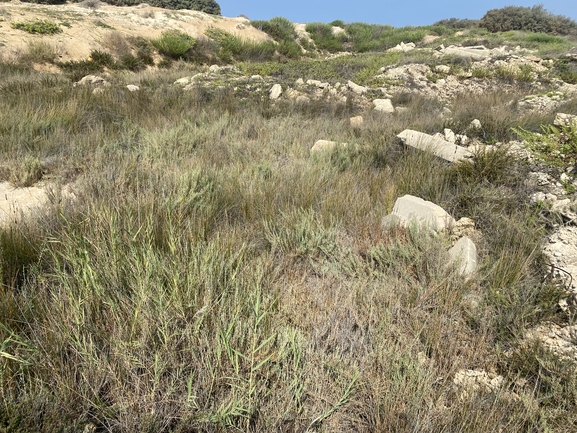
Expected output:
(212, 276)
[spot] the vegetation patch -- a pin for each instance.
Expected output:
(174, 44)
(556, 145)
(41, 27)
(533, 19)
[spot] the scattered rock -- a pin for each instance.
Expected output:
(384, 105)
(478, 52)
(325, 145)
(561, 340)
(356, 121)
(132, 87)
(471, 382)
(449, 135)
(562, 119)
(403, 47)
(464, 253)
(300, 82)
(410, 209)
(92, 80)
(441, 148)
(475, 124)
(466, 227)
(275, 92)
(214, 68)
(443, 69)
(182, 81)
(359, 90)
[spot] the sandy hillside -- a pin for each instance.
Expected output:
(85, 29)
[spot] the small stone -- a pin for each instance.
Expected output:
(449, 135)
(359, 90)
(182, 81)
(443, 69)
(325, 145)
(275, 92)
(356, 121)
(214, 68)
(299, 82)
(132, 87)
(476, 124)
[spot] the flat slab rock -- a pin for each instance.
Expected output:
(438, 147)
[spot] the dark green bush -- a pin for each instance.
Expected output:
(279, 28)
(533, 19)
(566, 69)
(337, 23)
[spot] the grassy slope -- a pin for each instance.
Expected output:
(212, 276)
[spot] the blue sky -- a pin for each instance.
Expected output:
(395, 12)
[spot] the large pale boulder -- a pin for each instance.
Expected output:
(410, 209)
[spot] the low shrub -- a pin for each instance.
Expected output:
(532, 19)
(41, 27)
(324, 39)
(174, 43)
(75, 70)
(229, 47)
(279, 28)
(566, 69)
(375, 37)
(39, 52)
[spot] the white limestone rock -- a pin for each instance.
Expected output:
(464, 253)
(414, 209)
(384, 105)
(275, 92)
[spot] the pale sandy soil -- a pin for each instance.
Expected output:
(98, 29)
